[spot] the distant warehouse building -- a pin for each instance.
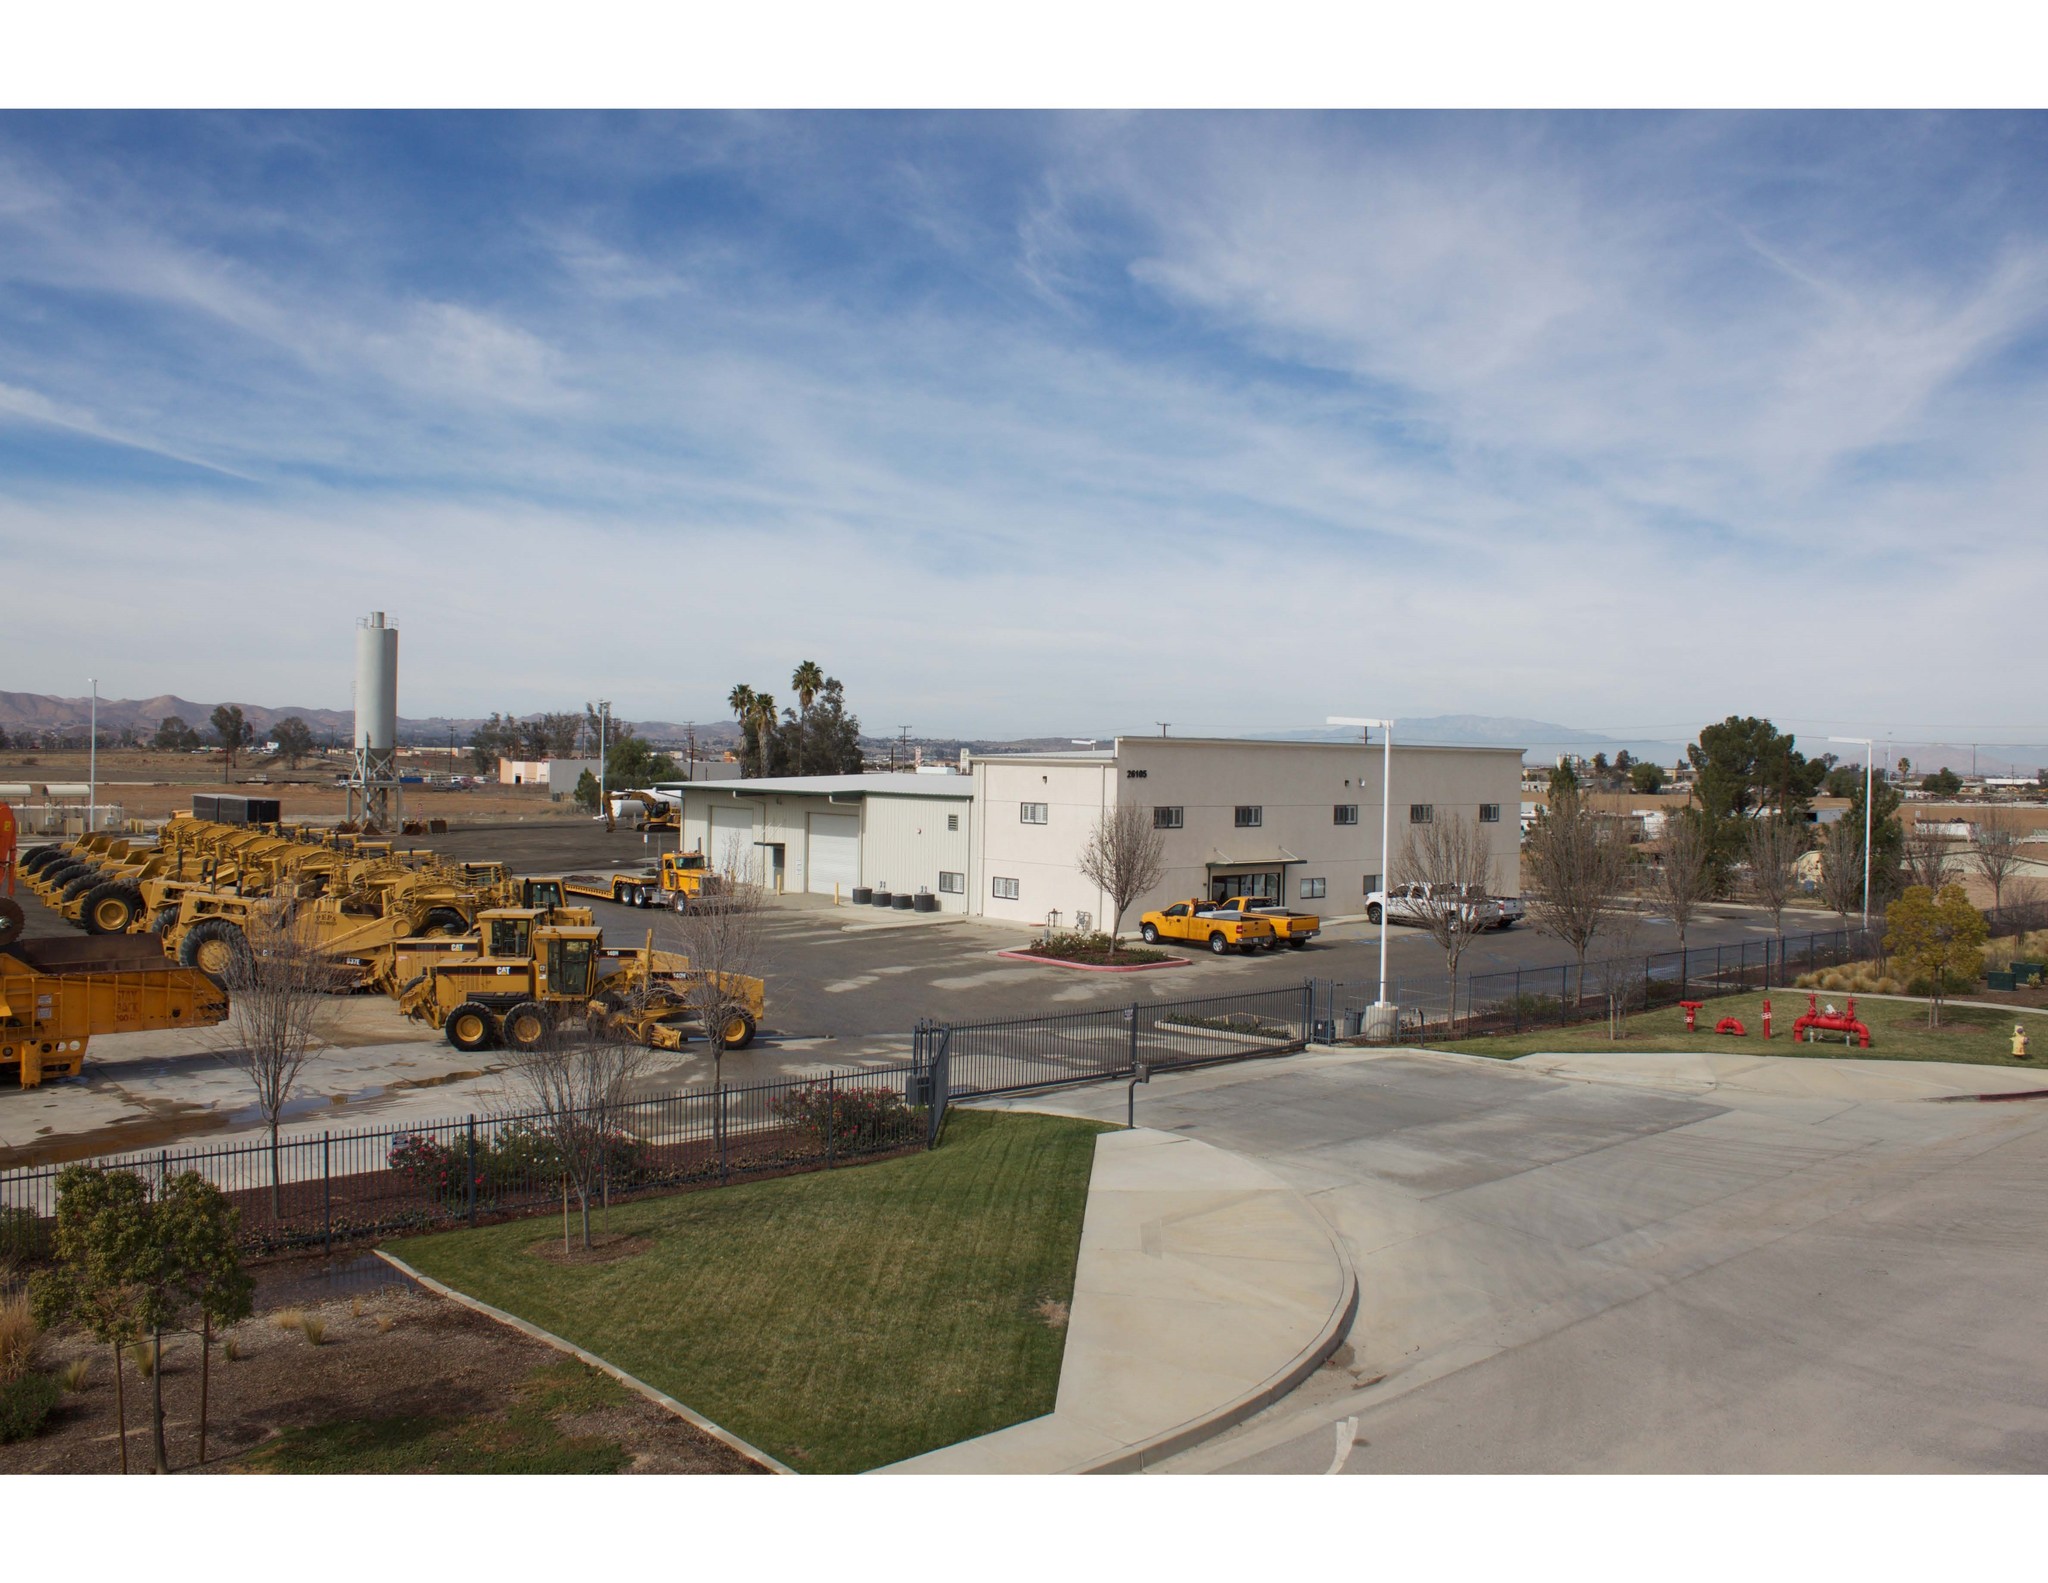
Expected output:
(1296, 822)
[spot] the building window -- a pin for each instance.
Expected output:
(1031, 812)
(1003, 889)
(1250, 817)
(952, 884)
(1372, 883)
(1422, 813)
(1314, 889)
(1167, 818)
(952, 821)
(1346, 813)
(1489, 813)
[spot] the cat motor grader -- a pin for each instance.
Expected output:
(527, 977)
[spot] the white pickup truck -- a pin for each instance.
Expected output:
(1419, 904)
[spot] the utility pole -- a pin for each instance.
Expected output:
(604, 805)
(904, 737)
(92, 763)
(1386, 823)
(1162, 724)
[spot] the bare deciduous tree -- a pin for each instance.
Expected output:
(1772, 847)
(1453, 860)
(1841, 867)
(1683, 880)
(575, 1092)
(279, 986)
(1618, 975)
(1579, 867)
(725, 938)
(1995, 847)
(1124, 858)
(1929, 859)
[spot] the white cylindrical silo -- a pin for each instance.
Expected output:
(376, 685)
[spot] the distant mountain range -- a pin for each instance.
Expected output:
(1541, 740)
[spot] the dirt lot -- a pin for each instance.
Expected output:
(402, 1381)
(150, 785)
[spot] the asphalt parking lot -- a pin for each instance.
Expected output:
(1649, 1264)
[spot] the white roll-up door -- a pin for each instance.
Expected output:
(732, 840)
(834, 857)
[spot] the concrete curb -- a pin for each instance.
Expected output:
(1092, 967)
(1135, 1459)
(640, 1387)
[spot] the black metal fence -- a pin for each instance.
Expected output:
(1078, 1047)
(1521, 1000)
(317, 1189)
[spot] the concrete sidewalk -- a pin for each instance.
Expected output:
(1206, 1290)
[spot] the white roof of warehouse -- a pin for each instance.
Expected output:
(896, 784)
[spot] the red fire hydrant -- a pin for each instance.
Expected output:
(1767, 1019)
(1692, 1010)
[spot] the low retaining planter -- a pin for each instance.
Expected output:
(1093, 967)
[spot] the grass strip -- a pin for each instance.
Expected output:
(840, 1320)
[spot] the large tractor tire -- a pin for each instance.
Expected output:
(166, 919)
(75, 888)
(527, 1026)
(41, 858)
(12, 919)
(444, 922)
(471, 1027)
(111, 908)
(739, 1031)
(214, 946)
(56, 876)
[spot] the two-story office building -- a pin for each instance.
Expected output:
(1298, 822)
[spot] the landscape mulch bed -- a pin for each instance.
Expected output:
(436, 1360)
(384, 1202)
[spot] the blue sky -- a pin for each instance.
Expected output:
(1033, 424)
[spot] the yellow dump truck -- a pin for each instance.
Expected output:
(56, 994)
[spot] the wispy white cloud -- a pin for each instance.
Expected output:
(1496, 417)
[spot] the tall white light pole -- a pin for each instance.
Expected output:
(1869, 767)
(604, 805)
(92, 763)
(1386, 822)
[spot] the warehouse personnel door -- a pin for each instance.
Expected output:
(835, 853)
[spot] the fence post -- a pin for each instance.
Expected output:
(1308, 1010)
(722, 1169)
(831, 1114)
(327, 1191)
(469, 1176)
(1132, 1013)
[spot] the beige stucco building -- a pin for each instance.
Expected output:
(1298, 822)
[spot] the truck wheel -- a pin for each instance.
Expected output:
(165, 921)
(1218, 944)
(1151, 934)
(1373, 912)
(12, 919)
(1297, 945)
(526, 1026)
(41, 858)
(76, 888)
(472, 1027)
(214, 946)
(444, 922)
(1269, 942)
(739, 1031)
(111, 908)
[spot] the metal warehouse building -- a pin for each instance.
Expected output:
(1298, 822)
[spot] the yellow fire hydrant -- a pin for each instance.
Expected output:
(2019, 1040)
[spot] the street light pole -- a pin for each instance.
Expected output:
(604, 805)
(92, 763)
(1869, 782)
(1386, 822)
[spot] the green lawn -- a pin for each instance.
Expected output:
(525, 1440)
(840, 1320)
(1898, 1032)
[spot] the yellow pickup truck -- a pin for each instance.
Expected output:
(1296, 928)
(1223, 928)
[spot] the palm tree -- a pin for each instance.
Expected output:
(739, 701)
(763, 722)
(808, 681)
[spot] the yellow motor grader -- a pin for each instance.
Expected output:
(525, 977)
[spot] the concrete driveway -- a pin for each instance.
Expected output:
(1632, 1265)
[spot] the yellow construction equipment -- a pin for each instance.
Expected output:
(524, 977)
(656, 814)
(56, 994)
(680, 877)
